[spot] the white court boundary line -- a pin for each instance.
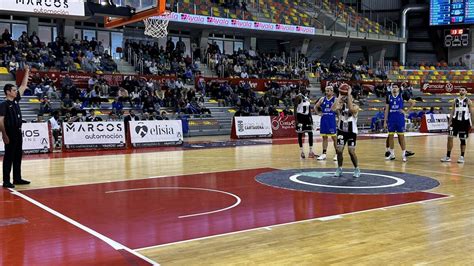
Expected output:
(270, 228)
(188, 188)
(117, 246)
(252, 229)
(151, 177)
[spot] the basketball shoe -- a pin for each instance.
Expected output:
(322, 157)
(446, 159)
(461, 159)
(311, 155)
(338, 172)
(356, 172)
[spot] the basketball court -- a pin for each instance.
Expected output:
(219, 201)
(242, 204)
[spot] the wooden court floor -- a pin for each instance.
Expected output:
(429, 232)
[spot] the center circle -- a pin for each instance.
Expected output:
(323, 180)
(398, 181)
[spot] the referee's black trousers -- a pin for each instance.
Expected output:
(13, 154)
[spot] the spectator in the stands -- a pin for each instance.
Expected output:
(92, 81)
(50, 90)
(131, 117)
(67, 87)
(38, 92)
(422, 113)
(103, 85)
(377, 121)
(180, 47)
(169, 46)
(244, 74)
(92, 117)
(100, 48)
(243, 6)
(431, 111)
(135, 96)
(149, 105)
(35, 40)
(96, 62)
(6, 36)
(146, 116)
(68, 63)
(179, 84)
(77, 108)
(66, 104)
(93, 44)
(13, 67)
(95, 97)
(113, 117)
(413, 118)
(123, 96)
(45, 106)
(407, 90)
(23, 39)
(55, 128)
(380, 89)
(117, 106)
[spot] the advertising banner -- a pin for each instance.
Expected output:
(45, 7)
(156, 133)
(434, 87)
(94, 135)
(253, 126)
(255, 84)
(241, 24)
(35, 138)
(284, 126)
(80, 80)
(434, 123)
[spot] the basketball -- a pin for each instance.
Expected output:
(344, 89)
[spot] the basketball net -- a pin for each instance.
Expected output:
(157, 26)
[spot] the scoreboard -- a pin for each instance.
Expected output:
(451, 12)
(456, 38)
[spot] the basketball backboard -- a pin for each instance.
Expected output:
(142, 9)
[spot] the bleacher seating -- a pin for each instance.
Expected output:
(207, 8)
(277, 11)
(285, 12)
(432, 73)
(282, 12)
(350, 16)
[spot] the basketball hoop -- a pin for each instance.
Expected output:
(157, 26)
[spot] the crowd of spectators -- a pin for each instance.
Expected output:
(247, 101)
(159, 60)
(77, 55)
(251, 64)
(150, 95)
(134, 92)
(339, 69)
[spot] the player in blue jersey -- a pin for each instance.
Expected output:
(328, 121)
(394, 121)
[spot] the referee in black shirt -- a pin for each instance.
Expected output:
(10, 126)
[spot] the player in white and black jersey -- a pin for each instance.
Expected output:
(347, 131)
(304, 122)
(459, 124)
